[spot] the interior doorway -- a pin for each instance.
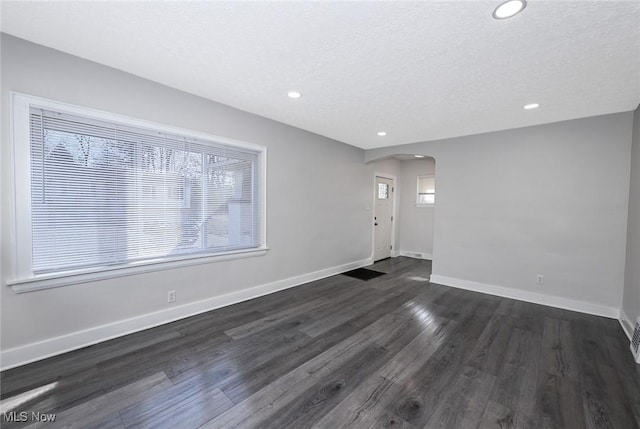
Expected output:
(383, 217)
(411, 201)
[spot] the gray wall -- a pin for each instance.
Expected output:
(416, 229)
(631, 301)
(549, 199)
(319, 199)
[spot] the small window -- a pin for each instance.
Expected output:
(383, 191)
(426, 190)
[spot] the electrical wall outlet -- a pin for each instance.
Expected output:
(540, 279)
(171, 296)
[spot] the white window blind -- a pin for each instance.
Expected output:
(426, 190)
(107, 194)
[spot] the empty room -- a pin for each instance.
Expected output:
(320, 214)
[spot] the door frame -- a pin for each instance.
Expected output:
(394, 208)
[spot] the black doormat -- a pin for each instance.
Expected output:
(363, 274)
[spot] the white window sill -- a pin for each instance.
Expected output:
(425, 204)
(49, 281)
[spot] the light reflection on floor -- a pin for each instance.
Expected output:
(424, 316)
(14, 402)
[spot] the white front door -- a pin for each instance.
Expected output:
(383, 218)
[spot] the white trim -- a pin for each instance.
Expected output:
(417, 195)
(28, 353)
(533, 297)
(263, 197)
(22, 181)
(39, 102)
(25, 280)
(90, 275)
(626, 323)
(416, 255)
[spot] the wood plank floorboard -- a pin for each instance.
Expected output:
(393, 352)
(513, 397)
(242, 385)
(366, 407)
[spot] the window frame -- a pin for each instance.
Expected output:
(24, 278)
(387, 191)
(418, 202)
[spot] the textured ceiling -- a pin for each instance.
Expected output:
(417, 70)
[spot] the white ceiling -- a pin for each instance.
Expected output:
(417, 70)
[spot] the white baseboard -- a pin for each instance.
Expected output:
(22, 355)
(533, 297)
(416, 255)
(627, 324)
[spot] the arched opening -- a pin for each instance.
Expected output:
(411, 203)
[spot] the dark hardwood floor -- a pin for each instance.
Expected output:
(395, 351)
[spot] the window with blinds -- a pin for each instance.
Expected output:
(107, 194)
(426, 190)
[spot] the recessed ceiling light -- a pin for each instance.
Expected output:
(509, 9)
(294, 94)
(531, 106)
(382, 133)
(418, 156)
